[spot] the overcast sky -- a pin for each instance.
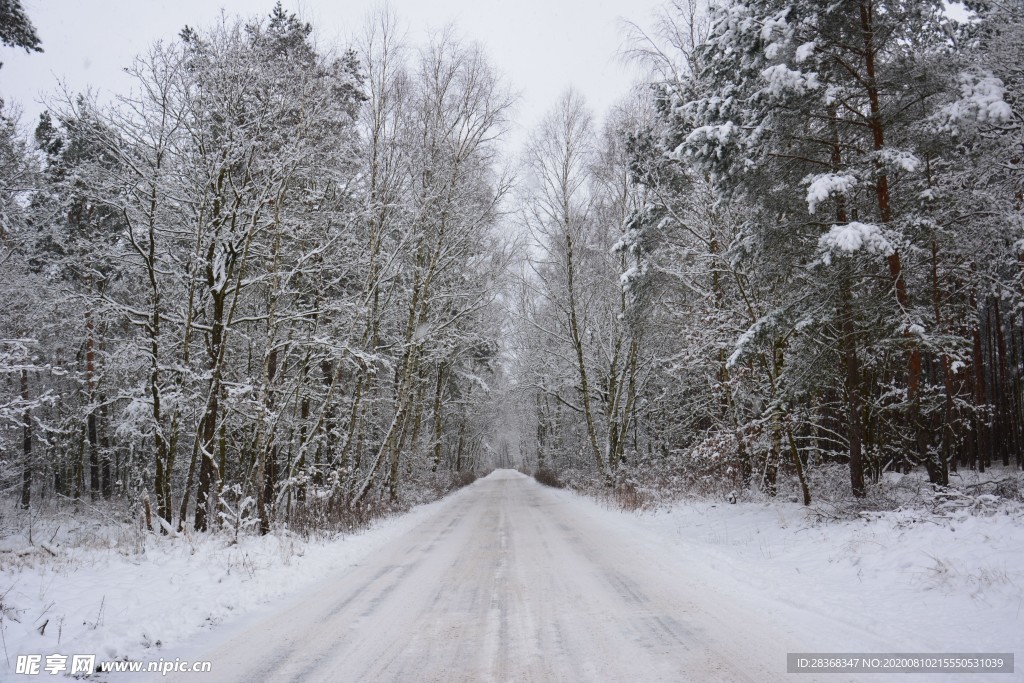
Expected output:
(541, 46)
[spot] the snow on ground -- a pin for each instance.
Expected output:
(522, 582)
(942, 579)
(919, 581)
(128, 594)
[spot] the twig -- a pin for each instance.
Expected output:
(99, 614)
(45, 610)
(991, 482)
(167, 527)
(3, 637)
(79, 501)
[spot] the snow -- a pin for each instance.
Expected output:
(508, 580)
(748, 336)
(773, 49)
(981, 100)
(823, 185)
(711, 140)
(141, 594)
(854, 236)
(631, 274)
(804, 52)
(782, 80)
(721, 133)
(421, 332)
(901, 159)
(220, 268)
(911, 580)
(522, 582)
(778, 22)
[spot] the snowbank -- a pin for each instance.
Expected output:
(116, 593)
(913, 580)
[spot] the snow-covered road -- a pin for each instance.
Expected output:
(510, 582)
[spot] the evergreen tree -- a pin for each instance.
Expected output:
(16, 29)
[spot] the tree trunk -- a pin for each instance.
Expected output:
(107, 488)
(577, 342)
(208, 466)
(798, 464)
(1004, 406)
(884, 199)
(207, 462)
(848, 342)
(771, 463)
(189, 479)
(981, 429)
(26, 445)
(438, 421)
(266, 453)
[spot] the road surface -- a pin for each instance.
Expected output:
(510, 582)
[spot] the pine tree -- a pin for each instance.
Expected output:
(16, 29)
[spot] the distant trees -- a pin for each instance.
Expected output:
(581, 343)
(452, 106)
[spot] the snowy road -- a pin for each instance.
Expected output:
(510, 582)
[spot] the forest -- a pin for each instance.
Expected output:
(286, 284)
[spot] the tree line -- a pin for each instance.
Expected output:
(279, 284)
(260, 288)
(798, 246)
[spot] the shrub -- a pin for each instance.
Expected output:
(547, 477)
(464, 478)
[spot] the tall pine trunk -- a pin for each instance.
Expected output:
(26, 445)
(848, 340)
(885, 212)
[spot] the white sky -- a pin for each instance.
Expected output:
(541, 46)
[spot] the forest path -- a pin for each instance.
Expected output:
(511, 582)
